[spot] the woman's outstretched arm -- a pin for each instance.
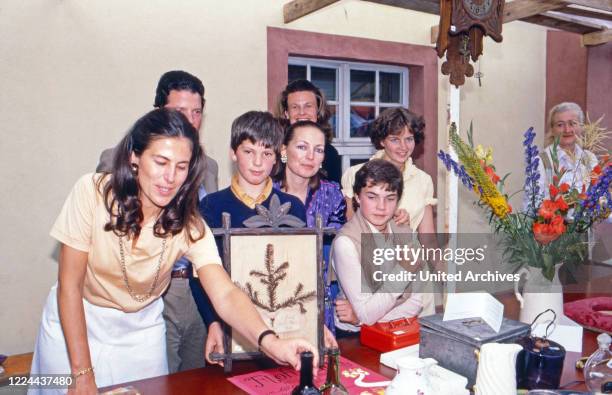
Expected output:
(72, 269)
(236, 309)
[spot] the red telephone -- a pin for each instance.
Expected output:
(388, 336)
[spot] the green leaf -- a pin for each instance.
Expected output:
(548, 267)
(470, 135)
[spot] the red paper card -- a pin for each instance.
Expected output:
(277, 381)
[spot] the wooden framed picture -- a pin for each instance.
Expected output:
(279, 274)
(281, 270)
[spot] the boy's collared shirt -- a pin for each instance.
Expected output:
(228, 201)
(249, 201)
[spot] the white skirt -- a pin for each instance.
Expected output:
(123, 346)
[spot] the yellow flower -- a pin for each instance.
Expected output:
(483, 186)
(485, 155)
(498, 204)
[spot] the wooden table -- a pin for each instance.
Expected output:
(212, 380)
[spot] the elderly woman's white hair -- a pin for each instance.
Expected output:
(559, 108)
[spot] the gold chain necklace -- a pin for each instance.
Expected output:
(136, 297)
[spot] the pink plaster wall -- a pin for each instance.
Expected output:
(421, 61)
(566, 70)
(599, 84)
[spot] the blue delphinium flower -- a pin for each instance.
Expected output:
(594, 207)
(458, 170)
(532, 175)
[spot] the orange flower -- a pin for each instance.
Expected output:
(561, 204)
(494, 177)
(509, 209)
(547, 209)
(557, 225)
(538, 227)
(545, 233)
(542, 233)
(553, 190)
(564, 187)
(597, 169)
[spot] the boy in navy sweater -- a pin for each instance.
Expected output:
(255, 141)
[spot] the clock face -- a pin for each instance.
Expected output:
(478, 8)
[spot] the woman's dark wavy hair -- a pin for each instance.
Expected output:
(323, 113)
(121, 192)
(315, 181)
(393, 121)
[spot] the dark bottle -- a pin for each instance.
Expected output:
(332, 384)
(306, 386)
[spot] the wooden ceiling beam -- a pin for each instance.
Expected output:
(427, 6)
(519, 9)
(298, 8)
(557, 23)
(593, 24)
(596, 38)
(603, 5)
(586, 13)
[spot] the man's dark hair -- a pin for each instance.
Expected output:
(177, 80)
(379, 172)
(394, 121)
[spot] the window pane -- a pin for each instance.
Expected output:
(333, 119)
(363, 85)
(324, 79)
(390, 87)
(354, 162)
(296, 72)
(361, 120)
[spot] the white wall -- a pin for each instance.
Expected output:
(76, 74)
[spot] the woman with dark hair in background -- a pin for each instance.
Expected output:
(302, 154)
(303, 101)
(119, 235)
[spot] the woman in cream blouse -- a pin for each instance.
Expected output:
(395, 133)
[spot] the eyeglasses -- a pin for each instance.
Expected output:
(572, 124)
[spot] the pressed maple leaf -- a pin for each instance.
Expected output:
(274, 216)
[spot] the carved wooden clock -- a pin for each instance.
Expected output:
(463, 24)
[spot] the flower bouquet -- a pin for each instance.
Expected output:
(550, 229)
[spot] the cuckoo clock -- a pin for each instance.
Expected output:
(463, 24)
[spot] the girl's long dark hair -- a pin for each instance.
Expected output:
(121, 192)
(281, 176)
